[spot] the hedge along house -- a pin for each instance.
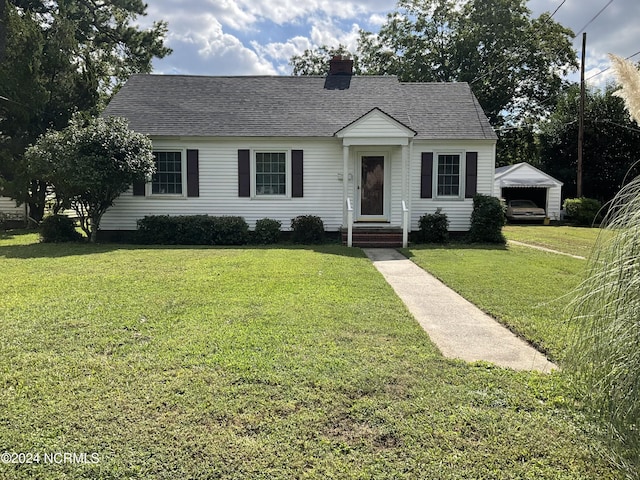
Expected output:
(522, 181)
(367, 154)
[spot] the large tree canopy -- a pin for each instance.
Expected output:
(514, 63)
(58, 57)
(611, 147)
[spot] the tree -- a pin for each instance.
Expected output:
(56, 58)
(611, 143)
(518, 144)
(90, 163)
(513, 62)
(316, 61)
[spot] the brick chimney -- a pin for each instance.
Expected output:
(340, 66)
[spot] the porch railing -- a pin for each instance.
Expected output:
(405, 225)
(349, 223)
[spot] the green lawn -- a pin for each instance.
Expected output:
(255, 363)
(525, 289)
(572, 240)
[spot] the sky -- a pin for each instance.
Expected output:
(258, 37)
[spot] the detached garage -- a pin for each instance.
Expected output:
(525, 182)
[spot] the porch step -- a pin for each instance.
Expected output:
(374, 237)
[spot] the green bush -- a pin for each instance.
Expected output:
(267, 231)
(582, 211)
(192, 230)
(487, 220)
(230, 231)
(157, 229)
(434, 228)
(307, 229)
(58, 228)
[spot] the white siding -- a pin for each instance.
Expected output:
(458, 210)
(375, 125)
(8, 206)
(554, 202)
(323, 183)
(218, 169)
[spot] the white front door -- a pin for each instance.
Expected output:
(372, 187)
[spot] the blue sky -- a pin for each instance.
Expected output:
(257, 37)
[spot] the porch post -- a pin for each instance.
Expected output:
(405, 173)
(345, 181)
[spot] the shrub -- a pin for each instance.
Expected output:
(434, 228)
(157, 229)
(58, 228)
(487, 220)
(230, 231)
(267, 231)
(192, 230)
(307, 229)
(582, 211)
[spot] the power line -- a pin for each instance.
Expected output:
(548, 19)
(619, 125)
(557, 8)
(593, 19)
(574, 37)
(609, 68)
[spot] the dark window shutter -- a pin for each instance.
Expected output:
(193, 181)
(297, 173)
(471, 182)
(426, 175)
(244, 173)
(139, 187)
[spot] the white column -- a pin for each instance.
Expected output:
(345, 182)
(405, 173)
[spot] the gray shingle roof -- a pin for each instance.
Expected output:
(180, 105)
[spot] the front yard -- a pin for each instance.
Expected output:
(572, 240)
(264, 363)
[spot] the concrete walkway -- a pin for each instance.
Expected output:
(456, 326)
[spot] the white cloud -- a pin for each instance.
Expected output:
(326, 32)
(217, 52)
(377, 20)
(282, 51)
(259, 36)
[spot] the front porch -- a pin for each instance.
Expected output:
(376, 165)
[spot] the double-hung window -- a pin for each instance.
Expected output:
(168, 179)
(271, 173)
(448, 175)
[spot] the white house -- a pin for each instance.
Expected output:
(12, 212)
(526, 182)
(361, 152)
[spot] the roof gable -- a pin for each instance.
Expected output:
(524, 173)
(376, 123)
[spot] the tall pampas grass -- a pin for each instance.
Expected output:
(605, 355)
(629, 78)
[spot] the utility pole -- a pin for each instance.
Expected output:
(581, 118)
